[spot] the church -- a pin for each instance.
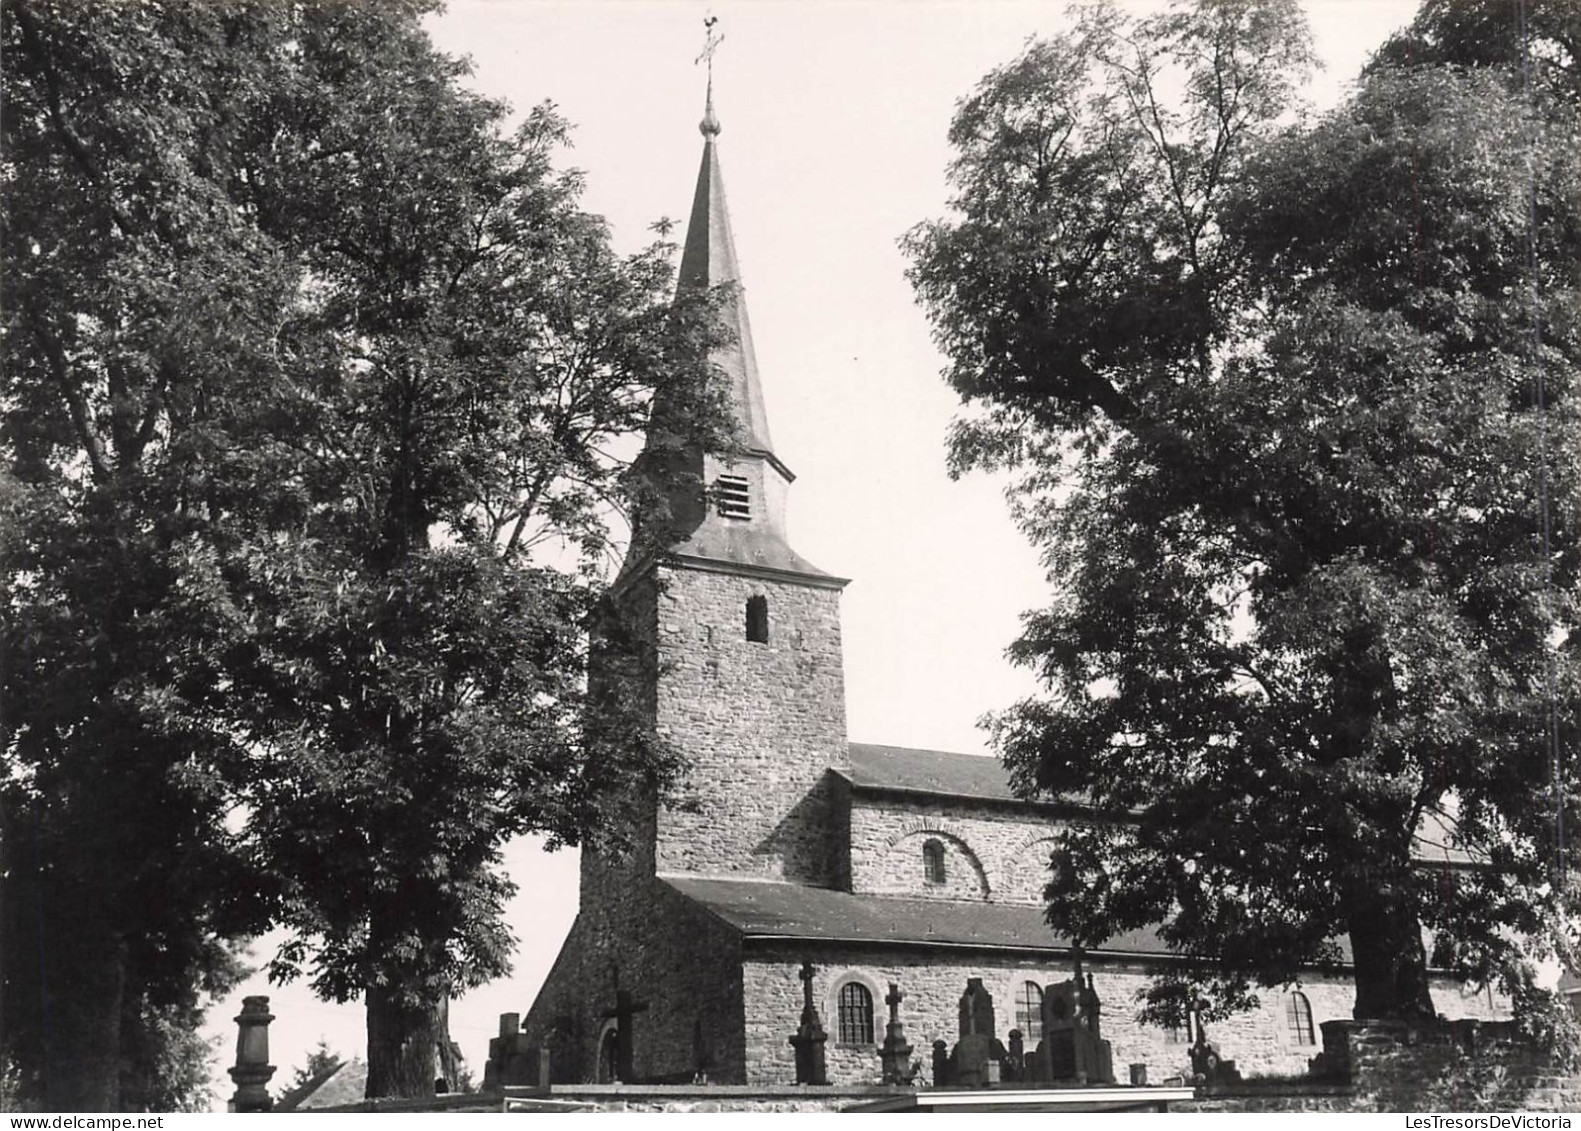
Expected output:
(798, 868)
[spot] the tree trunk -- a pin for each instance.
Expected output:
(403, 1041)
(83, 979)
(1390, 960)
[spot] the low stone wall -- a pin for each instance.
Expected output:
(1461, 1066)
(714, 1097)
(1373, 1066)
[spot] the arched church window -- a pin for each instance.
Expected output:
(856, 1014)
(758, 619)
(933, 862)
(1029, 1011)
(1298, 1019)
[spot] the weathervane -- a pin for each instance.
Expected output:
(710, 45)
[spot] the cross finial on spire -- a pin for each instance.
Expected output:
(710, 124)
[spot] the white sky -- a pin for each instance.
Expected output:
(834, 118)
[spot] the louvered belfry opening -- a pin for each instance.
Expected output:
(734, 494)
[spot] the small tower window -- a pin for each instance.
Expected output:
(1298, 1019)
(758, 620)
(734, 496)
(933, 862)
(1029, 1011)
(856, 1014)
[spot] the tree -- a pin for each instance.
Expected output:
(321, 1060)
(312, 372)
(1528, 45)
(137, 322)
(1295, 406)
(466, 357)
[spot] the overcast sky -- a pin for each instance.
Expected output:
(834, 117)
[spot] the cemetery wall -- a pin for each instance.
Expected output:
(1261, 1042)
(1462, 1066)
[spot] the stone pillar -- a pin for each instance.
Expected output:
(810, 1037)
(253, 1070)
(895, 1055)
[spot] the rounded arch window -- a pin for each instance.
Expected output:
(1029, 1011)
(933, 861)
(855, 1014)
(1298, 1020)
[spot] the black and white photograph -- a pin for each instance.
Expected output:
(790, 556)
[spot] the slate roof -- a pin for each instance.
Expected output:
(978, 778)
(927, 771)
(344, 1084)
(791, 911)
(708, 259)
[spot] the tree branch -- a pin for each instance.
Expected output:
(60, 369)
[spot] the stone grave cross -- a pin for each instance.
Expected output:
(624, 1013)
(809, 1038)
(895, 1055)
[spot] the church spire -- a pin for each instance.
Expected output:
(709, 260)
(724, 513)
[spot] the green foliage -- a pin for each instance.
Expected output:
(316, 381)
(1547, 1020)
(1273, 389)
(1535, 47)
(321, 1059)
(137, 321)
(466, 352)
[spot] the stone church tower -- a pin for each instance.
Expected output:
(729, 642)
(749, 678)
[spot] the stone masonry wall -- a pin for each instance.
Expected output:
(1464, 1066)
(1259, 1041)
(933, 984)
(679, 960)
(1459, 1066)
(992, 852)
(760, 724)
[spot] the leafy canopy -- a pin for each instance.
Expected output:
(1293, 402)
(318, 385)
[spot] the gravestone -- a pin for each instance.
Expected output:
(1073, 1048)
(1207, 1065)
(1015, 1068)
(513, 1059)
(895, 1055)
(974, 1063)
(810, 1037)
